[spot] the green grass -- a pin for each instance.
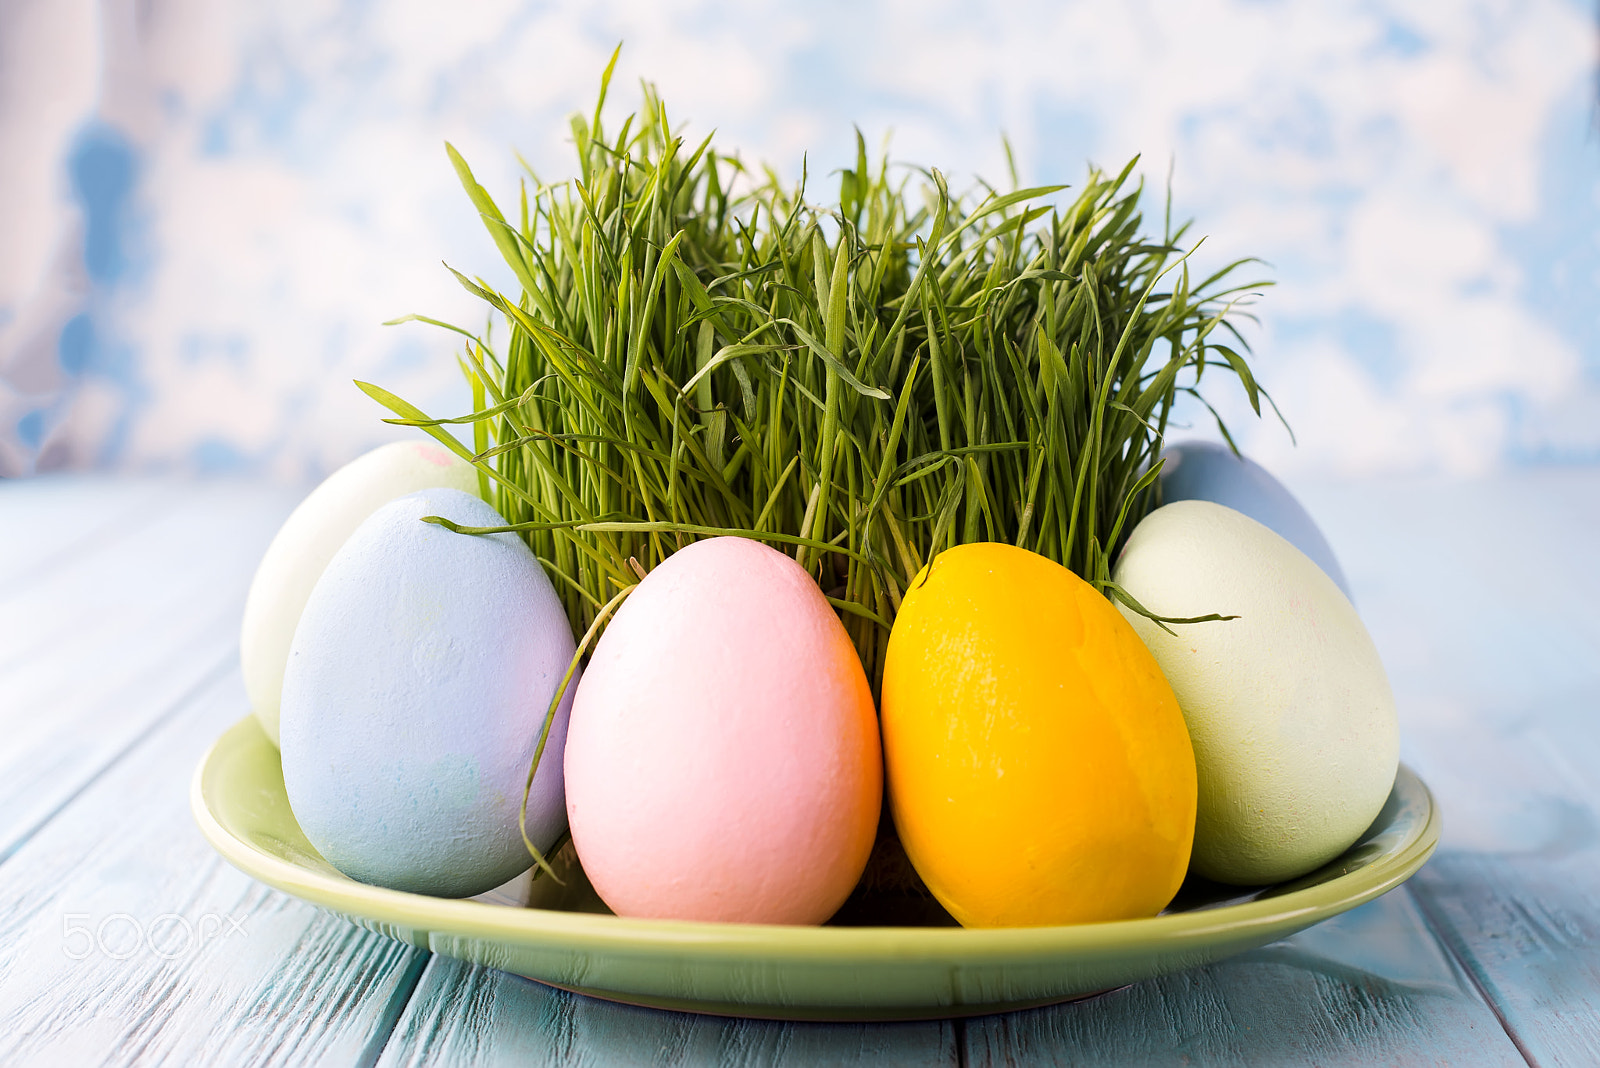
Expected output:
(700, 349)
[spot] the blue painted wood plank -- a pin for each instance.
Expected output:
(48, 522)
(1482, 598)
(124, 939)
(463, 1014)
(207, 545)
(1367, 988)
(95, 651)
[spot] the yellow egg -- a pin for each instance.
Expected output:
(1039, 769)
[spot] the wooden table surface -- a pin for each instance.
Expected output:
(124, 939)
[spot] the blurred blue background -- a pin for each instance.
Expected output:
(207, 210)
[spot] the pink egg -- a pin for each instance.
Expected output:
(723, 760)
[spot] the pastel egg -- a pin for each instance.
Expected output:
(1295, 735)
(723, 761)
(1206, 471)
(416, 690)
(308, 539)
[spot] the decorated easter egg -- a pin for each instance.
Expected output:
(308, 539)
(723, 760)
(415, 695)
(1039, 770)
(1295, 736)
(1206, 471)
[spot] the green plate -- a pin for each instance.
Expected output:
(565, 938)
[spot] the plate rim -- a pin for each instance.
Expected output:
(557, 929)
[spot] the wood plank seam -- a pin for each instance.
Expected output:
(404, 991)
(1438, 928)
(207, 678)
(288, 984)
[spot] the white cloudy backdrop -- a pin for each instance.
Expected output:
(207, 209)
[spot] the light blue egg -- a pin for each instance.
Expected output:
(1204, 471)
(417, 684)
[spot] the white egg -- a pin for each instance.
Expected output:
(1295, 736)
(416, 689)
(308, 539)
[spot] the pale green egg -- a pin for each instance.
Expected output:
(1295, 737)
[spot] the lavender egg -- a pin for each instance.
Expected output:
(417, 685)
(1204, 471)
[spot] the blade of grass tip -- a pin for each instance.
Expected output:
(549, 719)
(1242, 369)
(1222, 427)
(477, 416)
(605, 87)
(1274, 404)
(1166, 224)
(505, 238)
(415, 416)
(1116, 591)
(1011, 162)
(722, 356)
(833, 362)
(469, 335)
(995, 204)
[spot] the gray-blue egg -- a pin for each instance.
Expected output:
(416, 689)
(1206, 471)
